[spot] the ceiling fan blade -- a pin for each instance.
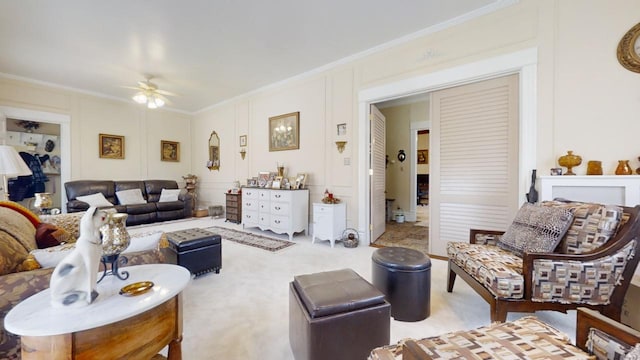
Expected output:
(164, 92)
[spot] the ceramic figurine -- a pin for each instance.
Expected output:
(73, 282)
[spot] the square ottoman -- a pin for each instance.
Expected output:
(198, 250)
(336, 315)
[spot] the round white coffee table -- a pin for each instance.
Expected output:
(113, 326)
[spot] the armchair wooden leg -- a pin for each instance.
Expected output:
(498, 313)
(451, 279)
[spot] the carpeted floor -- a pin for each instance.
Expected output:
(406, 234)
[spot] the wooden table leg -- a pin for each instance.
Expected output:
(175, 349)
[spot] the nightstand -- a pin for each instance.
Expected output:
(329, 221)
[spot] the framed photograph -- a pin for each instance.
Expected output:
(342, 129)
(423, 156)
(111, 146)
(243, 140)
(263, 177)
(301, 179)
(277, 182)
(169, 150)
(284, 132)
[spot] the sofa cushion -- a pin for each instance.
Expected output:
(48, 235)
(170, 205)
(536, 229)
(130, 197)
(168, 195)
(97, 200)
(593, 225)
(154, 188)
(138, 209)
(498, 270)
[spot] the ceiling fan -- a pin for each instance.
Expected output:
(149, 94)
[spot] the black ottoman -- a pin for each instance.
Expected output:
(336, 315)
(198, 250)
(404, 276)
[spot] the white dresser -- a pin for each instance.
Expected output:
(281, 211)
(329, 221)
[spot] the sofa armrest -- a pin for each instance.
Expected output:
(188, 203)
(77, 206)
(588, 319)
(484, 237)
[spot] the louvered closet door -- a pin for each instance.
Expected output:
(378, 150)
(474, 149)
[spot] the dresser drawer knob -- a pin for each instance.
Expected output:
(277, 221)
(277, 207)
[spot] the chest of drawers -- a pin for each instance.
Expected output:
(234, 208)
(281, 211)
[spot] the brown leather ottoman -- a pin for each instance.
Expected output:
(336, 315)
(198, 250)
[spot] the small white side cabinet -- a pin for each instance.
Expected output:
(329, 221)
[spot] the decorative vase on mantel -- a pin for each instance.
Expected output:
(623, 168)
(570, 161)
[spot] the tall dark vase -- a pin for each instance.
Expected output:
(532, 195)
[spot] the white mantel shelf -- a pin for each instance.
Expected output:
(606, 189)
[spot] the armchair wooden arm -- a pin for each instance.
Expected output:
(588, 319)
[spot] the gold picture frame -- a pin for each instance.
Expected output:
(111, 146)
(284, 132)
(629, 49)
(169, 150)
(423, 157)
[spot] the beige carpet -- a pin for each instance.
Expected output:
(243, 312)
(406, 234)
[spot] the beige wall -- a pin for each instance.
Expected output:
(91, 115)
(586, 102)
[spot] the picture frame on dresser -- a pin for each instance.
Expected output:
(301, 180)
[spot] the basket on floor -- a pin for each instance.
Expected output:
(350, 238)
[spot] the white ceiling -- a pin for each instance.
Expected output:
(207, 51)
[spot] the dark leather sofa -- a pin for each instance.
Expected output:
(152, 211)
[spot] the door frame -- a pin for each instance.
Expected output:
(523, 62)
(65, 139)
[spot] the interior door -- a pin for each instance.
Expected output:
(474, 159)
(377, 173)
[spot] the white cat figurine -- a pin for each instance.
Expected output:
(73, 282)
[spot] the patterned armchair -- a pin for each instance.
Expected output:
(558, 255)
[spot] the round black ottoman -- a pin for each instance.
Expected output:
(404, 276)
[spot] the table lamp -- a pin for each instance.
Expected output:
(11, 165)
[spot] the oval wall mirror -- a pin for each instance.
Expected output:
(214, 152)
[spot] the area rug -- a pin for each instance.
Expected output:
(245, 238)
(406, 234)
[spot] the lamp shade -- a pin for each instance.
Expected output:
(11, 164)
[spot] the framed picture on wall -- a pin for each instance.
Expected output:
(284, 132)
(423, 156)
(169, 150)
(243, 140)
(342, 129)
(111, 146)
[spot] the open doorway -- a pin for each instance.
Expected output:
(523, 63)
(406, 149)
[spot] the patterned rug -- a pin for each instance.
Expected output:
(406, 234)
(245, 238)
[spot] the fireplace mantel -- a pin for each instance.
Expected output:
(605, 189)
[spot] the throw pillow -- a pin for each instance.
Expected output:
(69, 222)
(169, 195)
(536, 229)
(130, 197)
(12, 253)
(19, 227)
(50, 257)
(48, 235)
(592, 227)
(97, 200)
(144, 241)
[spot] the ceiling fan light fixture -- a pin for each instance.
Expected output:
(158, 101)
(152, 105)
(140, 98)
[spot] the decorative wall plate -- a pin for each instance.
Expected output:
(629, 49)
